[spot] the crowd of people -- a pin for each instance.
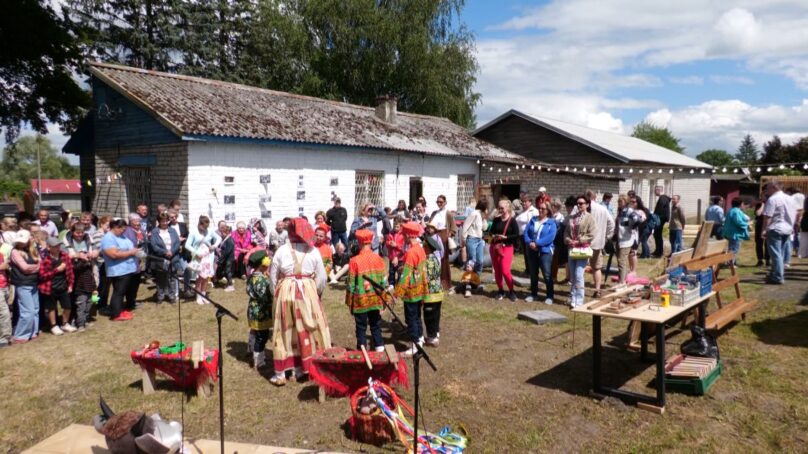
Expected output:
(65, 274)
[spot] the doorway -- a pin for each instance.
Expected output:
(138, 186)
(416, 190)
(511, 191)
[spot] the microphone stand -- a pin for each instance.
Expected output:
(420, 353)
(221, 311)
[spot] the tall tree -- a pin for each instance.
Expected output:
(748, 152)
(716, 158)
(19, 162)
(774, 152)
(141, 33)
(36, 59)
(650, 132)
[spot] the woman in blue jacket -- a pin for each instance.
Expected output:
(539, 239)
(165, 242)
(736, 227)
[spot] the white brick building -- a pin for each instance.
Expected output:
(234, 152)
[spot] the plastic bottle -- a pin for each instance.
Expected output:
(665, 299)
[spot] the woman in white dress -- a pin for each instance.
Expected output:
(200, 244)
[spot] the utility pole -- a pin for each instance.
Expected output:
(38, 173)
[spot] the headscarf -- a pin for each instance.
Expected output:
(300, 231)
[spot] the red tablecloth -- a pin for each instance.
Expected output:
(178, 366)
(341, 372)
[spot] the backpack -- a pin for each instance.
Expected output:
(650, 224)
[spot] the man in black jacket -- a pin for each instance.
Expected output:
(336, 218)
(663, 210)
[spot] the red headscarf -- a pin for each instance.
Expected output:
(300, 231)
(364, 236)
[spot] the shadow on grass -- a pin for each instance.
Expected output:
(574, 376)
(239, 351)
(163, 383)
(788, 330)
(309, 393)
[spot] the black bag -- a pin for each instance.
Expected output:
(701, 344)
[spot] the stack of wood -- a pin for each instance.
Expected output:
(682, 366)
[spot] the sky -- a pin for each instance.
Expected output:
(710, 71)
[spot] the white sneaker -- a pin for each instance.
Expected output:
(433, 341)
(199, 300)
(229, 288)
(379, 349)
(390, 288)
(408, 353)
(529, 299)
(56, 331)
(259, 359)
(452, 291)
(467, 294)
(68, 328)
(333, 282)
(548, 301)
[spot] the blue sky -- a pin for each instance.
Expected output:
(709, 71)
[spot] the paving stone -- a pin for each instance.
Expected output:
(542, 317)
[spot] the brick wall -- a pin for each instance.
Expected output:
(210, 162)
(168, 177)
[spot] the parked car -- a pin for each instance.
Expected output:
(9, 209)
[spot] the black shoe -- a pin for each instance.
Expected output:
(188, 294)
(500, 295)
(105, 311)
(512, 296)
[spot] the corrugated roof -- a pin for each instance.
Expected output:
(619, 146)
(193, 107)
(57, 186)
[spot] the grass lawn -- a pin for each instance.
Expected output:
(515, 387)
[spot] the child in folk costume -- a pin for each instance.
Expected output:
(433, 247)
(259, 308)
(324, 246)
(360, 296)
(395, 248)
(298, 278)
(412, 285)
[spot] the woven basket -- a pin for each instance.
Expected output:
(374, 428)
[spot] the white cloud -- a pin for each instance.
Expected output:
(58, 140)
(731, 80)
(722, 124)
(686, 80)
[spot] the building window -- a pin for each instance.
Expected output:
(369, 188)
(465, 191)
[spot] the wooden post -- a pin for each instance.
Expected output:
(148, 380)
(698, 211)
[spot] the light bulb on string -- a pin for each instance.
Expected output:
(782, 166)
(805, 166)
(499, 169)
(509, 169)
(640, 170)
(691, 171)
(768, 169)
(671, 172)
(724, 170)
(702, 171)
(583, 170)
(558, 169)
(611, 170)
(621, 170)
(630, 170)
(734, 170)
(532, 167)
(757, 169)
(478, 161)
(575, 169)
(602, 170)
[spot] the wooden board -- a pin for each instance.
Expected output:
(703, 237)
(714, 247)
(678, 258)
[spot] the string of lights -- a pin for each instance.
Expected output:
(600, 169)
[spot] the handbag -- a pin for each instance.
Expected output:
(500, 244)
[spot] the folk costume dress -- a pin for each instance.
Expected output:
(360, 297)
(412, 285)
(298, 279)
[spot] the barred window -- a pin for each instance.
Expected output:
(369, 188)
(465, 191)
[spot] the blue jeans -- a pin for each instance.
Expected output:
(337, 237)
(777, 245)
(646, 250)
(577, 266)
(675, 237)
(734, 247)
(475, 251)
(787, 252)
(540, 262)
(28, 307)
(412, 317)
(362, 320)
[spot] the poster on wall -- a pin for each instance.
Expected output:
(229, 180)
(334, 181)
(301, 195)
(266, 214)
(300, 181)
(230, 216)
(229, 200)
(265, 179)
(264, 198)
(300, 211)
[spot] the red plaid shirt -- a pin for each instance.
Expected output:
(47, 271)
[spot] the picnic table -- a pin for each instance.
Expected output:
(189, 367)
(647, 315)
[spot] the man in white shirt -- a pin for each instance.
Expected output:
(779, 216)
(799, 202)
(604, 228)
(46, 224)
(528, 212)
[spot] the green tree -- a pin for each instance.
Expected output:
(748, 152)
(716, 158)
(36, 59)
(19, 164)
(650, 132)
(776, 153)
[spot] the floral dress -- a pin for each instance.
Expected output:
(259, 308)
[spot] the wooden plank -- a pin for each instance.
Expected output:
(197, 353)
(148, 380)
(392, 355)
(703, 237)
(709, 261)
(367, 358)
(651, 408)
(680, 257)
(726, 315)
(721, 285)
(714, 247)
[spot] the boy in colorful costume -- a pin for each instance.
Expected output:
(324, 246)
(412, 285)
(433, 247)
(259, 308)
(361, 298)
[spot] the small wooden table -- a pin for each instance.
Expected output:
(645, 315)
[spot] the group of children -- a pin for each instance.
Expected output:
(413, 271)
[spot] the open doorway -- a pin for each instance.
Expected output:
(511, 191)
(416, 190)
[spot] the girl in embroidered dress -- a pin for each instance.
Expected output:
(298, 278)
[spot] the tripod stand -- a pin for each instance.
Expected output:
(221, 312)
(420, 354)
